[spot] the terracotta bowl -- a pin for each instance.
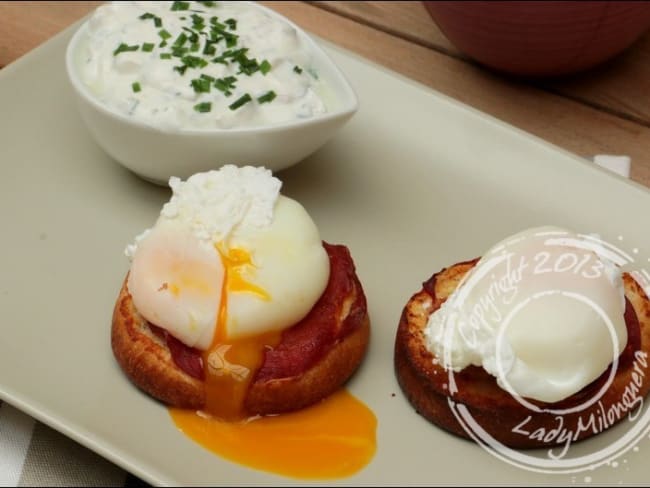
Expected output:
(548, 38)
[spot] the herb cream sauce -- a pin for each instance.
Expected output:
(199, 65)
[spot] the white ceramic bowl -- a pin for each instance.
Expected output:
(156, 154)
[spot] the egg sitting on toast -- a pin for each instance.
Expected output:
(233, 304)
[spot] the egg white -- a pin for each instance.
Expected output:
(290, 264)
(176, 281)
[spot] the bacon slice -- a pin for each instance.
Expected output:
(186, 358)
(309, 340)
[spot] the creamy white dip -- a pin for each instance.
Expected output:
(155, 62)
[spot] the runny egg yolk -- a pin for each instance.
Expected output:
(332, 439)
(230, 365)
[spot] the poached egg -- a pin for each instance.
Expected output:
(228, 265)
(542, 311)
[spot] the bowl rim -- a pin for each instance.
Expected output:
(345, 111)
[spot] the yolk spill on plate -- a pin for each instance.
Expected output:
(332, 439)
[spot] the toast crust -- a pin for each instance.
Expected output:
(425, 383)
(147, 361)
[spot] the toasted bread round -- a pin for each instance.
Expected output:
(425, 381)
(148, 362)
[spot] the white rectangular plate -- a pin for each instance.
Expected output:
(415, 182)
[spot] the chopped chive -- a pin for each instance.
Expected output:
(228, 81)
(164, 34)
(218, 30)
(157, 21)
(203, 107)
(165, 56)
(211, 79)
(162, 44)
(147, 47)
(194, 62)
(136, 87)
(243, 100)
(209, 48)
(124, 48)
(195, 47)
(180, 6)
(215, 35)
(201, 85)
(238, 53)
(198, 22)
(232, 23)
(181, 39)
(181, 69)
(207, 4)
(231, 39)
(248, 66)
(222, 88)
(225, 85)
(179, 51)
(220, 59)
(194, 36)
(297, 69)
(265, 67)
(229, 54)
(269, 96)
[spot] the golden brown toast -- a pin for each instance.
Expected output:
(277, 387)
(425, 382)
